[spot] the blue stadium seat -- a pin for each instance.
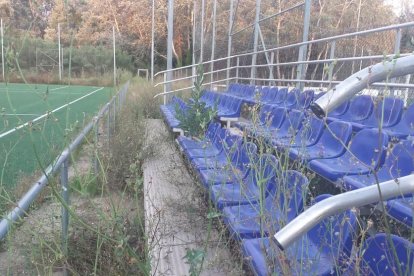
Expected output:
(231, 108)
(210, 150)
(366, 153)
(330, 145)
(401, 209)
(305, 99)
(248, 191)
(386, 111)
(169, 111)
(281, 206)
(229, 146)
(265, 116)
(289, 127)
(280, 97)
(376, 257)
(189, 143)
(359, 109)
(398, 162)
(291, 99)
(308, 134)
(324, 250)
(338, 112)
(272, 125)
(405, 127)
(268, 95)
(230, 173)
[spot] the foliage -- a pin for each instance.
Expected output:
(194, 120)
(194, 258)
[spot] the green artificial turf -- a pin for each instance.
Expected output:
(35, 146)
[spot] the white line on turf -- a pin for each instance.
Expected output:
(19, 114)
(58, 88)
(47, 114)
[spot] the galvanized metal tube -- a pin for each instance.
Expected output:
(360, 80)
(339, 203)
(65, 197)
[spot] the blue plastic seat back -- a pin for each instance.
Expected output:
(292, 98)
(340, 110)
(336, 135)
(265, 93)
(388, 111)
(273, 91)
(291, 192)
(263, 172)
(378, 256)
(212, 130)
(305, 99)
(245, 155)
(368, 146)
(266, 114)
(280, 96)
(292, 122)
(399, 162)
(334, 234)
(278, 117)
(249, 92)
(360, 109)
(408, 118)
(311, 130)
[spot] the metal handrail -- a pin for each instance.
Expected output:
(24, 203)
(326, 39)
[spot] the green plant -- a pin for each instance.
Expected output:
(194, 120)
(195, 259)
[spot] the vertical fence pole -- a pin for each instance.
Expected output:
(202, 31)
(304, 48)
(2, 49)
(213, 43)
(193, 69)
(59, 53)
(65, 197)
(397, 47)
(255, 43)
(230, 37)
(169, 45)
(96, 159)
(152, 40)
(272, 59)
(332, 64)
(114, 46)
(237, 69)
(108, 123)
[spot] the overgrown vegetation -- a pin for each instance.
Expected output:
(195, 119)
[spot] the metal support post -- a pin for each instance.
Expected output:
(203, 4)
(255, 43)
(332, 63)
(169, 45)
(304, 48)
(2, 49)
(165, 89)
(96, 159)
(213, 43)
(108, 123)
(65, 198)
(114, 46)
(231, 22)
(59, 52)
(193, 68)
(272, 58)
(237, 69)
(152, 40)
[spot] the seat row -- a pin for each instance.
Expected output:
(169, 112)
(257, 197)
(334, 153)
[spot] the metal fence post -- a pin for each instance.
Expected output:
(304, 48)
(65, 197)
(96, 159)
(256, 40)
(108, 122)
(231, 21)
(237, 69)
(332, 64)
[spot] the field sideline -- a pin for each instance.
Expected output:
(37, 122)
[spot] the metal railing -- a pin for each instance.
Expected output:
(61, 164)
(327, 80)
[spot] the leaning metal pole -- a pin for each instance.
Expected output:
(339, 203)
(360, 80)
(255, 42)
(231, 21)
(360, 197)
